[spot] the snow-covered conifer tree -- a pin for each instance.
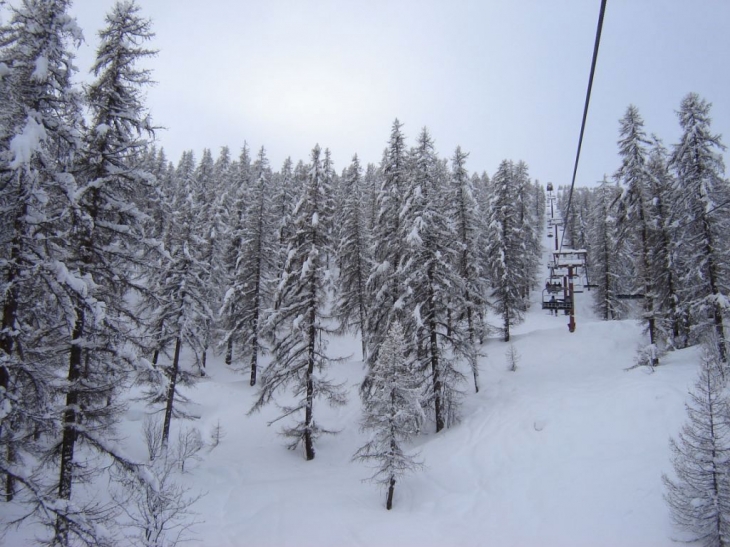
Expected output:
(578, 218)
(538, 201)
(351, 306)
(385, 283)
(392, 414)
(284, 198)
(210, 246)
(224, 179)
(371, 188)
(698, 164)
(237, 203)
(176, 300)
(699, 494)
(104, 243)
(248, 295)
(604, 252)
(505, 249)
(470, 230)
(93, 244)
(531, 251)
(635, 221)
(39, 117)
(433, 284)
(664, 268)
(299, 322)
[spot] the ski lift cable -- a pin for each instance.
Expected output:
(597, 43)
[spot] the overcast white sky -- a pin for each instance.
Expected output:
(501, 78)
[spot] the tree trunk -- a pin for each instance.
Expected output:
(506, 322)
(666, 254)
(309, 408)
(7, 342)
(308, 413)
(361, 306)
(9, 479)
(434, 357)
(254, 359)
(391, 488)
(469, 318)
(714, 290)
(170, 395)
(449, 326)
(470, 330)
(160, 344)
(70, 422)
(648, 289)
(438, 406)
(229, 351)
(255, 335)
(257, 291)
(720, 331)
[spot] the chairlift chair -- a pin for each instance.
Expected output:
(549, 302)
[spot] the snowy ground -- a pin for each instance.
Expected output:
(568, 450)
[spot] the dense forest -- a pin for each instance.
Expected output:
(122, 272)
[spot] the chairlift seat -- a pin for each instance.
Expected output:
(557, 305)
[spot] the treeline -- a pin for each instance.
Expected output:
(277, 261)
(116, 265)
(657, 232)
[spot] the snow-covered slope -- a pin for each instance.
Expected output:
(567, 450)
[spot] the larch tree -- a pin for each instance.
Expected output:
(469, 232)
(371, 187)
(39, 132)
(249, 295)
(604, 251)
(482, 188)
(505, 246)
(531, 250)
(697, 162)
(299, 323)
(699, 494)
(351, 304)
(385, 283)
(223, 214)
(176, 301)
(97, 247)
(635, 221)
(538, 200)
(237, 202)
(209, 245)
(283, 201)
(664, 267)
(432, 283)
(392, 415)
(579, 226)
